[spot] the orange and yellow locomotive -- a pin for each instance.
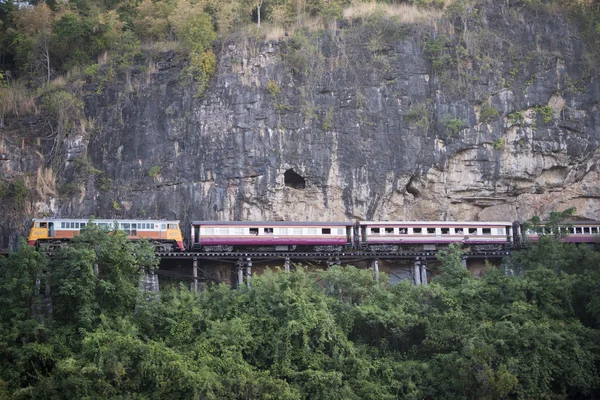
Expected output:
(51, 233)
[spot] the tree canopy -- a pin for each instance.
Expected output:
(78, 326)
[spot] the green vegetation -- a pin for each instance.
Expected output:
(328, 119)
(154, 171)
(272, 88)
(452, 125)
(419, 116)
(533, 333)
(546, 113)
(499, 144)
(14, 193)
(488, 114)
(517, 117)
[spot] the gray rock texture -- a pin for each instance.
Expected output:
(382, 120)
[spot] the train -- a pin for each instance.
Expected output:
(283, 236)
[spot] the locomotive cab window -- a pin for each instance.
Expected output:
(172, 226)
(326, 231)
(389, 231)
(254, 231)
(43, 224)
(445, 231)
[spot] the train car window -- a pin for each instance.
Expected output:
(268, 231)
(254, 231)
(283, 231)
(134, 226)
(586, 230)
(402, 231)
(417, 230)
(571, 230)
(125, 226)
(431, 230)
(172, 226)
(223, 231)
(578, 229)
(312, 231)
(445, 231)
(375, 231)
(82, 225)
(594, 229)
(297, 231)
(486, 231)
(340, 231)
(389, 231)
(103, 224)
(326, 231)
(499, 231)
(458, 231)
(239, 231)
(472, 231)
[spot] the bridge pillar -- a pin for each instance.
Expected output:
(417, 271)
(248, 271)
(196, 285)
(286, 264)
(424, 273)
(375, 266)
(464, 262)
(149, 282)
(240, 274)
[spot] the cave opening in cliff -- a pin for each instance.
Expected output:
(292, 179)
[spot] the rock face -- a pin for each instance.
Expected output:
(378, 120)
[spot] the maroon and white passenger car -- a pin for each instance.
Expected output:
(270, 236)
(392, 235)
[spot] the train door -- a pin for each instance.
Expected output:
(349, 235)
(50, 229)
(196, 234)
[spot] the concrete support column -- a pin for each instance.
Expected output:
(464, 262)
(240, 273)
(248, 272)
(96, 269)
(417, 271)
(375, 266)
(150, 282)
(195, 275)
(286, 264)
(424, 273)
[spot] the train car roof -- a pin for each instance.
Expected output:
(462, 223)
(271, 223)
(155, 221)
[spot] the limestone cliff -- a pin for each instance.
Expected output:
(378, 120)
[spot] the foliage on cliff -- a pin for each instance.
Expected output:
(327, 334)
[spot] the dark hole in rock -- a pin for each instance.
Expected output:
(292, 179)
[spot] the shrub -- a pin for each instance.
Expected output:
(419, 116)
(488, 114)
(272, 88)
(154, 171)
(546, 113)
(453, 125)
